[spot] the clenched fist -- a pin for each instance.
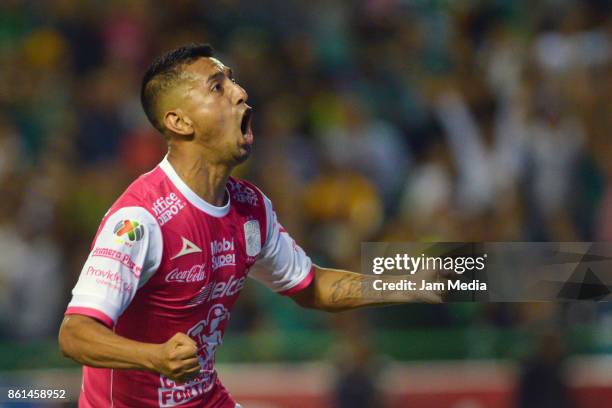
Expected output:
(178, 358)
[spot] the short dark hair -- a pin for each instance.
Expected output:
(164, 72)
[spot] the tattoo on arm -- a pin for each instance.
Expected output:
(347, 287)
(353, 287)
(343, 290)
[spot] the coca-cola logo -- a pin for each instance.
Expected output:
(197, 273)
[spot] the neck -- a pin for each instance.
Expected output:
(207, 180)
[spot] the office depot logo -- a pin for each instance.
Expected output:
(165, 208)
(197, 273)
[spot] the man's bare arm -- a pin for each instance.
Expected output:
(335, 290)
(89, 342)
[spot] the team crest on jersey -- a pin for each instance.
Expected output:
(252, 237)
(129, 230)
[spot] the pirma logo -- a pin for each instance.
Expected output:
(129, 228)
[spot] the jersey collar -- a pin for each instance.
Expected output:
(191, 196)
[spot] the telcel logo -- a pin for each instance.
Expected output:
(229, 288)
(218, 290)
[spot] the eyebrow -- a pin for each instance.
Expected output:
(217, 76)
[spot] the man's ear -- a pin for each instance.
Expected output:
(176, 122)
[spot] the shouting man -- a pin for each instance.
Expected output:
(173, 252)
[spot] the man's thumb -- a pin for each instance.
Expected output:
(183, 339)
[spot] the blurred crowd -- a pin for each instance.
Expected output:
(404, 120)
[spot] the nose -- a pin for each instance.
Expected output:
(243, 96)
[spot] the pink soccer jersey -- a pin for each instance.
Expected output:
(166, 261)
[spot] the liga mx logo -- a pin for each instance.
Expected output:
(130, 229)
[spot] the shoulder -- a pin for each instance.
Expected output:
(129, 226)
(137, 202)
(142, 193)
(249, 201)
(243, 192)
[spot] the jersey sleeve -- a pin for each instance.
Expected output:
(282, 265)
(126, 253)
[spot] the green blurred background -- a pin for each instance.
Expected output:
(375, 120)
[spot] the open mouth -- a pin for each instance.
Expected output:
(245, 125)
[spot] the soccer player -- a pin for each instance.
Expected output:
(173, 252)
